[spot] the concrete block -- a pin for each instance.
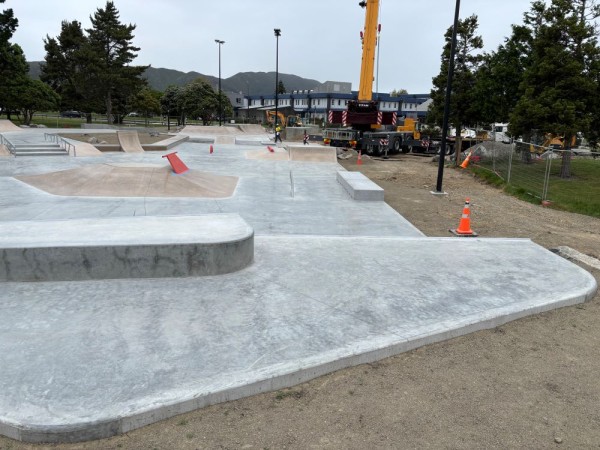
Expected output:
(360, 187)
(125, 247)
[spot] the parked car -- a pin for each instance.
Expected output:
(71, 114)
(134, 114)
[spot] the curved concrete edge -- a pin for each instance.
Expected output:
(115, 248)
(259, 382)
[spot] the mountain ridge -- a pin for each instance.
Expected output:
(253, 83)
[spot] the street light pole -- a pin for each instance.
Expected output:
(438, 188)
(277, 34)
(220, 101)
(248, 102)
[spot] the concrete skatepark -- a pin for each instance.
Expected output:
(334, 281)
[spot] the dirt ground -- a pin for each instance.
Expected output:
(533, 383)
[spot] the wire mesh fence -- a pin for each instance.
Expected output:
(568, 178)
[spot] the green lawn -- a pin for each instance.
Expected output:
(580, 193)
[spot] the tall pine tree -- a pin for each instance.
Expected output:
(559, 88)
(110, 42)
(463, 108)
(13, 65)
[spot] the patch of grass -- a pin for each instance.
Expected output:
(182, 422)
(579, 194)
(280, 395)
(488, 176)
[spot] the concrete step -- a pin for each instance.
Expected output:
(42, 153)
(46, 145)
(39, 150)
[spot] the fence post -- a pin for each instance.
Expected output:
(510, 158)
(550, 156)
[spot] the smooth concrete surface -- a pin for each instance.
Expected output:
(124, 247)
(360, 187)
(92, 359)
(334, 283)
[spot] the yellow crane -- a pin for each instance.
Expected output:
(369, 42)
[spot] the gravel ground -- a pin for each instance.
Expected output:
(532, 383)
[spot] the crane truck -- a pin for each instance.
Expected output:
(364, 124)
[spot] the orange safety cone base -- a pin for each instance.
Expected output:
(359, 159)
(463, 234)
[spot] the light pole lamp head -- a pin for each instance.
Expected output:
(219, 42)
(277, 32)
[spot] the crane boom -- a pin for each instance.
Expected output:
(365, 92)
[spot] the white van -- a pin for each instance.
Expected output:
(500, 132)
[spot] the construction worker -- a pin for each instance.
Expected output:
(278, 133)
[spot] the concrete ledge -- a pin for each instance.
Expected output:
(360, 187)
(167, 144)
(125, 247)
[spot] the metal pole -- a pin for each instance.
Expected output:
(438, 187)
(277, 34)
(220, 100)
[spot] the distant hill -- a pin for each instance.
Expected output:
(258, 83)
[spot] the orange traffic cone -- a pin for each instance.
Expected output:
(270, 149)
(211, 149)
(465, 163)
(464, 227)
(359, 159)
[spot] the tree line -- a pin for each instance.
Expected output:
(545, 77)
(90, 70)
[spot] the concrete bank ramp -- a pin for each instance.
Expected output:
(84, 148)
(4, 152)
(311, 153)
(130, 142)
(91, 359)
(7, 125)
(132, 180)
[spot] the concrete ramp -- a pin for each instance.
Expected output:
(130, 142)
(252, 128)
(111, 180)
(312, 153)
(225, 140)
(4, 151)
(84, 149)
(7, 125)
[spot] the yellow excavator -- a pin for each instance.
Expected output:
(289, 121)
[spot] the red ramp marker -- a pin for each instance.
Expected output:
(211, 150)
(176, 163)
(270, 149)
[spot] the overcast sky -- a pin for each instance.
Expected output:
(319, 38)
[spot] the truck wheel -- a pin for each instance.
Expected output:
(397, 145)
(405, 149)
